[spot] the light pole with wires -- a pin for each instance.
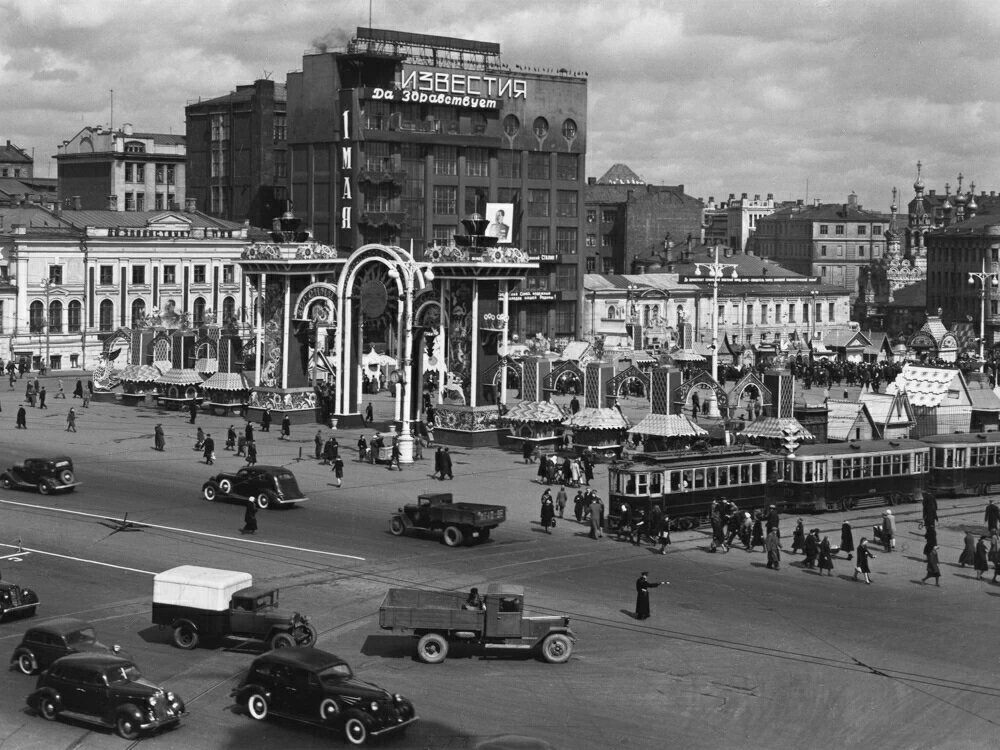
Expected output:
(715, 271)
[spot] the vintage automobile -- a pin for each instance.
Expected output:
(46, 475)
(16, 600)
(105, 690)
(43, 644)
(314, 686)
(267, 486)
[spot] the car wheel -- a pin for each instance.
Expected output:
(355, 729)
(282, 640)
(66, 476)
(27, 664)
(453, 536)
(557, 648)
(185, 637)
(44, 488)
(6, 482)
(209, 492)
(225, 486)
(432, 649)
(396, 526)
(257, 706)
(127, 727)
(328, 709)
(309, 635)
(265, 500)
(47, 708)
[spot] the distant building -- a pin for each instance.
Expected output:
(237, 153)
(122, 170)
(16, 162)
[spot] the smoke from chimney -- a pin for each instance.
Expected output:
(333, 39)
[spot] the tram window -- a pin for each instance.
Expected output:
(710, 476)
(734, 474)
(938, 458)
(686, 483)
(723, 476)
(744, 474)
(809, 471)
(856, 468)
(991, 456)
(643, 484)
(675, 481)
(866, 466)
(755, 473)
(820, 471)
(906, 462)
(960, 457)
(630, 485)
(797, 472)
(699, 479)
(919, 464)
(949, 458)
(876, 466)
(655, 483)
(896, 464)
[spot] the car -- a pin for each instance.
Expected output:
(106, 690)
(47, 475)
(43, 644)
(17, 600)
(314, 686)
(267, 486)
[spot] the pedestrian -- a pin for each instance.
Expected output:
(588, 469)
(664, 535)
(772, 546)
(363, 448)
(394, 456)
(968, 556)
(933, 567)
(62, 391)
(596, 517)
(992, 517)
(248, 432)
(193, 410)
(638, 527)
(548, 513)
(209, 452)
(773, 520)
(888, 530)
(369, 413)
(847, 540)
(78, 390)
(231, 438)
(199, 441)
(251, 453)
(825, 556)
(994, 555)
(981, 558)
(543, 467)
(22, 418)
(930, 538)
(286, 427)
(330, 451)
(799, 537)
(527, 451)
(265, 421)
(71, 420)
(159, 441)
(578, 504)
(41, 398)
(29, 395)
(318, 443)
(655, 523)
(446, 464)
(864, 555)
(338, 469)
(12, 378)
(561, 500)
(241, 445)
(757, 534)
(930, 515)
(250, 518)
(811, 548)
(642, 587)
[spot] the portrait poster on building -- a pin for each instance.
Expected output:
(500, 215)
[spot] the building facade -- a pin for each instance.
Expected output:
(16, 162)
(71, 279)
(398, 137)
(237, 153)
(122, 170)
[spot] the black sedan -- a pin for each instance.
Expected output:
(267, 486)
(44, 643)
(314, 686)
(46, 475)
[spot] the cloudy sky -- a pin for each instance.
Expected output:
(803, 99)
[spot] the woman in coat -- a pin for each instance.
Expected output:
(847, 540)
(548, 512)
(811, 548)
(864, 555)
(994, 555)
(825, 556)
(933, 568)
(980, 558)
(772, 545)
(757, 535)
(968, 556)
(799, 537)
(250, 518)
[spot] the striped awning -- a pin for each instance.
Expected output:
(590, 418)
(226, 381)
(141, 374)
(777, 428)
(668, 425)
(180, 377)
(535, 411)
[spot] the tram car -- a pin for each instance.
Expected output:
(684, 483)
(964, 463)
(842, 476)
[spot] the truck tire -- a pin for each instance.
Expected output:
(484, 534)
(282, 640)
(453, 536)
(355, 728)
(396, 526)
(432, 648)
(308, 633)
(185, 637)
(557, 648)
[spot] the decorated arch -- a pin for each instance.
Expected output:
(748, 390)
(564, 372)
(620, 384)
(703, 385)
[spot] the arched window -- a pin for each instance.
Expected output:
(107, 315)
(569, 129)
(55, 316)
(511, 125)
(229, 311)
(75, 317)
(36, 317)
(199, 311)
(612, 312)
(541, 127)
(138, 311)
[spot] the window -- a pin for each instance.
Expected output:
(839, 229)
(128, 172)
(819, 312)
(475, 200)
(199, 274)
(56, 274)
(538, 166)
(138, 312)
(822, 250)
(609, 216)
(824, 229)
(538, 240)
(791, 313)
(228, 274)
(763, 313)
(198, 311)
(538, 203)
(140, 201)
(591, 265)
(220, 162)
(566, 278)
(220, 128)
(130, 201)
(509, 164)
(822, 270)
(75, 316)
(445, 160)
(280, 165)
(477, 162)
(158, 202)
(805, 312)
(566, 201)
(569, 129)
(567, 167)
(591, 240)
(36, 317)
(445, 199)
(876, 229)
(107, 275)
(830, 313)
(280, 128)
(229, 310)
(566, 240)
(591, 215)
(161, 174)
(218, 199)
(511, 125)
(606, 240)
(749, 313)
(107, 315)
(170, 274)
(443, 234)
(862, 230)
(138, 274)
(861, 251)
(540, 127)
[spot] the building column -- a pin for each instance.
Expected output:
(258, 324)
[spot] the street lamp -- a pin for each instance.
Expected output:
(715, 271)
(994, 282)
(812, 318)
(409, 272)
(47, 284)
(631, 317)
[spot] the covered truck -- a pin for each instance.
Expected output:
(459, 523)
(200, 604)
(437, 618)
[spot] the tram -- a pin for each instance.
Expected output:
(840, 476)
(684, 483)
(964, 462)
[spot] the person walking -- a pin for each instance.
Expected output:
(588, 469)
(757, 534)
(199, 441)
(773, 521)
(888, 530)
(772, 546)
(330, 451)
(994, 555)
(394, 456)
(561, 500)
(363, 450)
(664, 534)
(193, 410)
(930, 538)
(231, 438)
(78, 390)
(265, 421)
(847, 539)
(933, 567)
(369, 413)
(968, 556)
(42, 393)
(864, 555)
(338, 469)
(71, 420)
(241, 445)
(286, 427)
(318, 444)
(250, 518)
(527, 451)
(248, 432)
(209, 452)
(930, 516)
(159, 442)
(642, 587)
(596, 517)
(811, 548)
(22, 418)
(548, 513)
(825, 556)
(446, 464)
(62, 391)
(29, 395)
(799, 537)
(578, 506)
(981, 558)
(992, 517)
(251, 453)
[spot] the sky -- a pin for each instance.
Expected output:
(800, 98)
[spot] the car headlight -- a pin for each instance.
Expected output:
(152, 700)
(397, 697)
(171, 697)
(374, 705)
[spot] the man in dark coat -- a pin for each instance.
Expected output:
(251, 453)
(22, 418)
(265, 421)
(209, 451)
(369, 413)
(159, 441)
(596, 517)
(446, 464)
(930, 509)
(192, 408)
(248, 432)
(992, 517)
(250, 518)
(773, 519)
(642, 587)
(574, 405)
(286, 427)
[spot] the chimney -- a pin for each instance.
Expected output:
(190, 205)
(77, 203)
(112, 202)
(743, 196)
(127, 128)
(591, 180)
(816, 202)
(770, 196)
(756, 196)
(732, 196)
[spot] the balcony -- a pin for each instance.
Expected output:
(381, 177)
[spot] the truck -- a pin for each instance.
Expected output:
(437, 618)
(205, 604)
(458, 523)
